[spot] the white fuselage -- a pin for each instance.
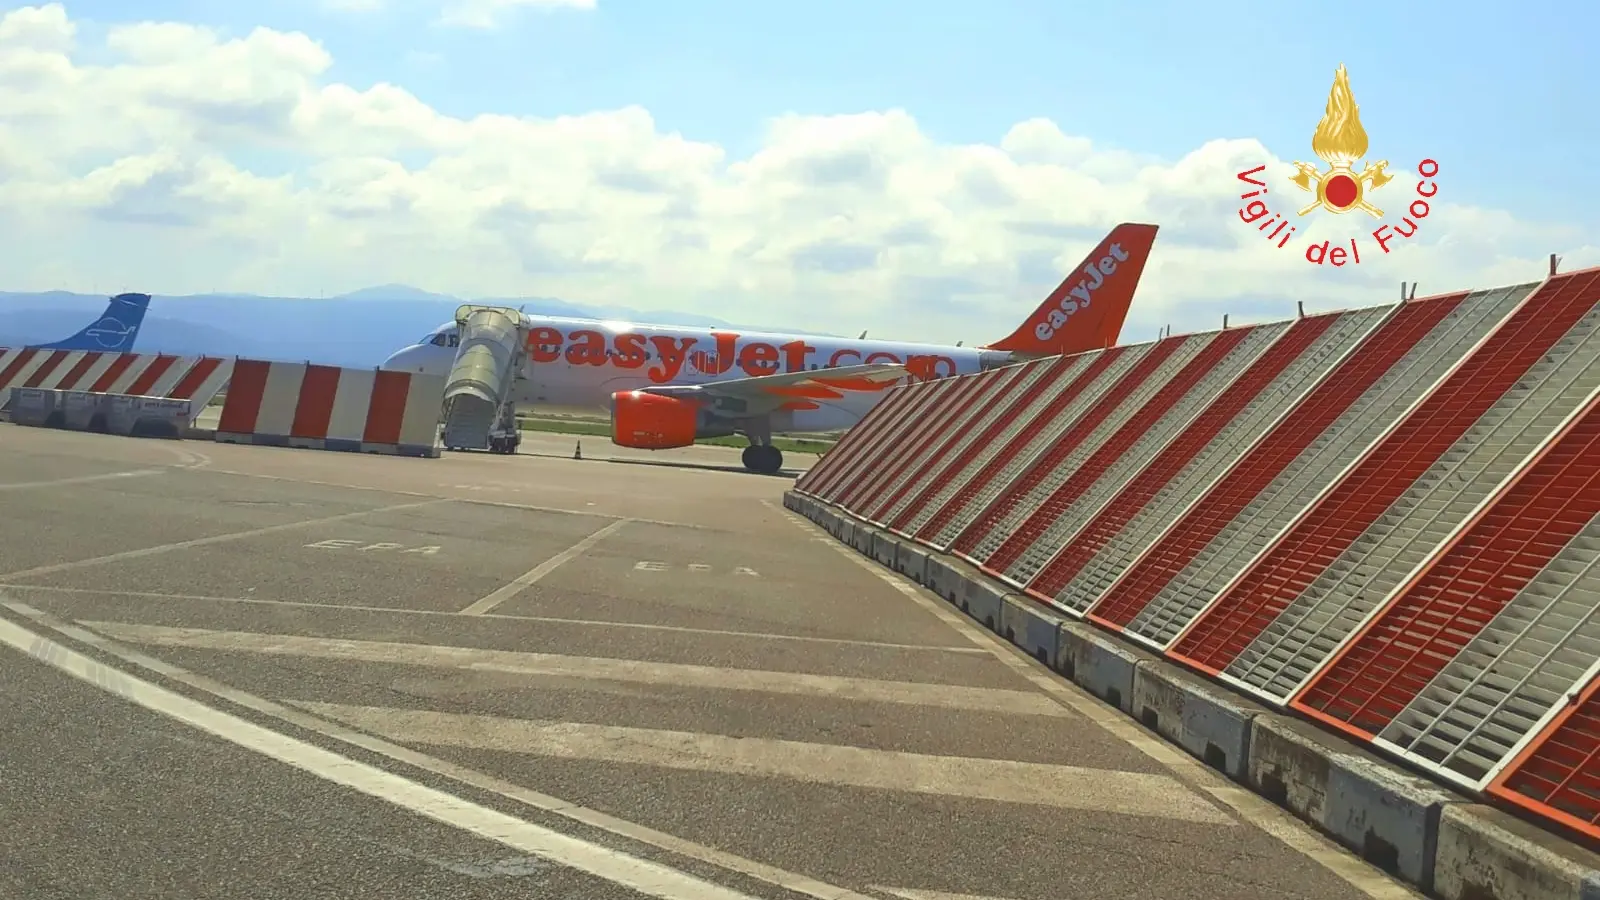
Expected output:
(582, 362)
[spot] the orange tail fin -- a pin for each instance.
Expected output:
(1086, 312)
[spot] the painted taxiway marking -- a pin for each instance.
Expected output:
(645, 876)
(1252, 808)
(998, 780)
(944, 696)
(532, 576)
(208, 541)
(79, 479)
(547, 620)
(503, 504)
(914, 894)
(606, 822)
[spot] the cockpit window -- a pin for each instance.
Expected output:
(439, 340)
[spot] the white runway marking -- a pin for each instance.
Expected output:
(946, 696)
(914, 894)
(80, 479)
(532, 576)
(773, 875)
(1004, 781)
(553, 620)
(1252, 808)
(208, 541)
(500, 503)
(642, 875)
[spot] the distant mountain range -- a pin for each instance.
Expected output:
(360, 328)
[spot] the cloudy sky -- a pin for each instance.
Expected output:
(925, 170)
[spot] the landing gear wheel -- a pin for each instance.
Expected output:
(763, 459)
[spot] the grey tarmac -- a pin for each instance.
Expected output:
(705, 689)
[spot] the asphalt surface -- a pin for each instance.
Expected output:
(334, 675)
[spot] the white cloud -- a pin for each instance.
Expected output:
(193, 162)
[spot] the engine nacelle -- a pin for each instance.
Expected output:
(647, 421)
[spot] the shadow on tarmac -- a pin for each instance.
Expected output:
(790, 474)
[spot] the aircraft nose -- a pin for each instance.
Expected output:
(402, 361)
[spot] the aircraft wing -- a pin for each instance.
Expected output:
(765, 393)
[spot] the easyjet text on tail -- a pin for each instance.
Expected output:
(1087, 310)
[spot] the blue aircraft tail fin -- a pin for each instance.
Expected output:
(114, 331)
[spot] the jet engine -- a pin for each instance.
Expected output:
(647, 421)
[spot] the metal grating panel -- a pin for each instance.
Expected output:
(871, 434)
(1297, 602)
(1046, 464)
(1558, 776)
(1339, 600)
(1464, 664)
(922, 399)
(929, 424)
(1043, 381)
(951, 417)
(1110, 543)
(1015, 449)
(1090, 486)
(933, 454)
(1263, 492)
(859, 438)
(1516, 672)
(977, 472)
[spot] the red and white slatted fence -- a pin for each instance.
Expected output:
(193, 378)
(1387, 520)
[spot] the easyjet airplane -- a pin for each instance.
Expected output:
(667, 386)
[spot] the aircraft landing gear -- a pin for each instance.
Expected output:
(762, 459)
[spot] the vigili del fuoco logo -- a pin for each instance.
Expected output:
(1340, 142)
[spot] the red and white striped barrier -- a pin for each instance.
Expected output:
(193, 378)
(284, 404)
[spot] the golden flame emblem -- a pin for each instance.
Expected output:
(1341, 141)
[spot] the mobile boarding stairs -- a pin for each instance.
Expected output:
(479, 412)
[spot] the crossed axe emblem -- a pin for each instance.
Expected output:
(1370, 178)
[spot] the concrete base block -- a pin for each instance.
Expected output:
(1485, 854)
(1026, 623)
(844, 527)
(1388, 817)
(948, 577)
(822, 514)
(911, 561)
(792, 501)
(983, 600)
(1100, 665)
(862, 537)
(1289, 765)
(1209, 722)
(885, 547)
